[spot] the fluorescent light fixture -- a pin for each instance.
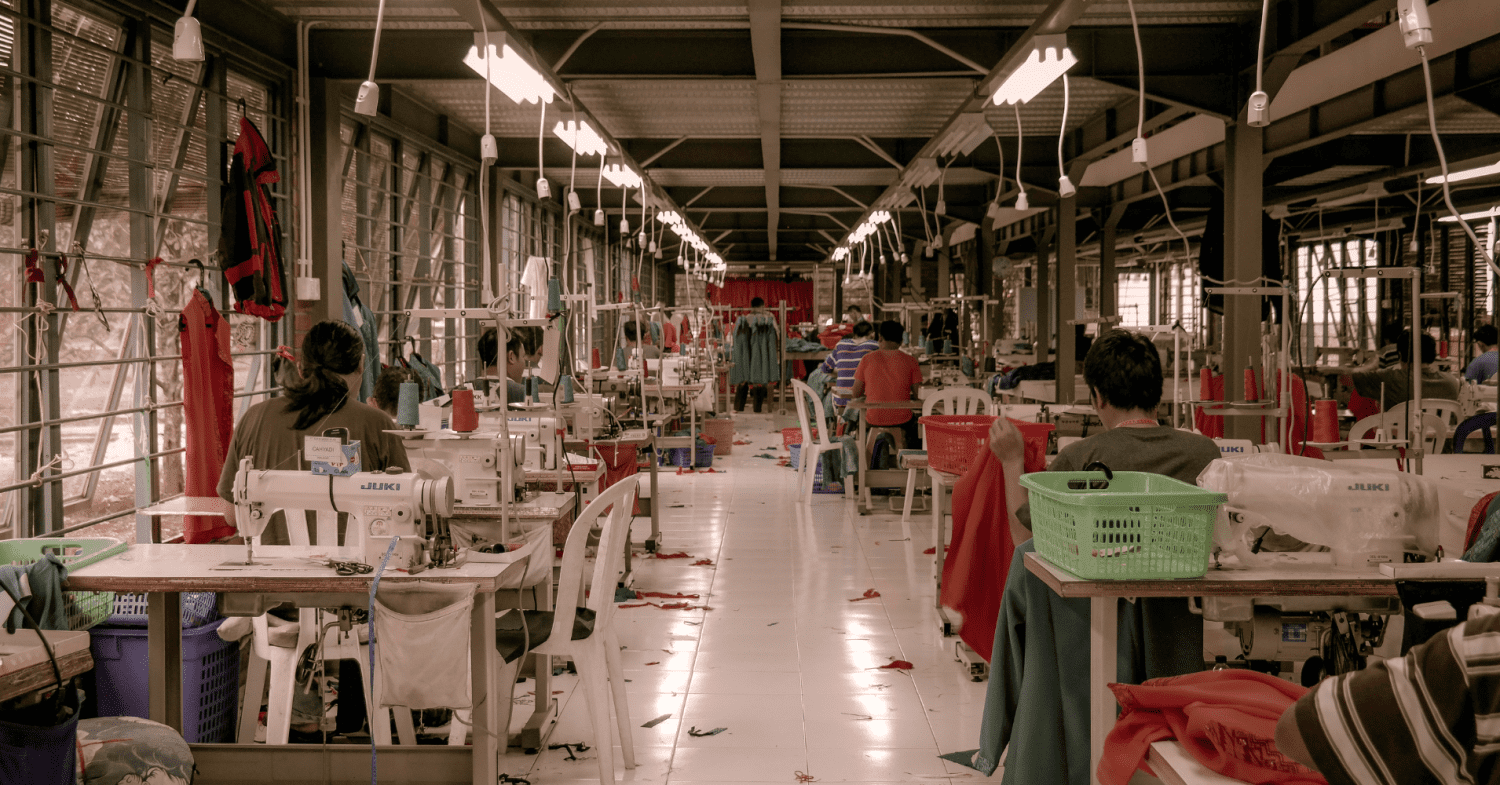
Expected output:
(507, 70)
(622, 176)
(964, 135)
(1353, 195)
(921, 173)
(579, 136)
(669, 217)
(839, 253)
(1490, 213)
(1467, 174)
(880, 217)
(1050, 58)
(187, 37)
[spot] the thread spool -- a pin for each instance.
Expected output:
(566, 384)
(595, 357)
(1325, 424)
(536, 389)
(1443, 349)
(554, 295)
(407, 405)
(464, 418)
(1205, 385)
(1252, 390)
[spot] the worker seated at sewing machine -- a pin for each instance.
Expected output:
(521, 350)
(632, 332)
(319, 397)
(889, 375)
(1038, 696)
(1391, 385)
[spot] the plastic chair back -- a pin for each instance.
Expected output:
(609, 564)
(1448, 411)
(800, 390)
(1434, 429)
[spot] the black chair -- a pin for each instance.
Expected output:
(1479, 422)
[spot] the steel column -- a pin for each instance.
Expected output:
(1067, 298)
(1243, 213)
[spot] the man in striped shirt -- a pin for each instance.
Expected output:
(1432, 716)
(843, 361)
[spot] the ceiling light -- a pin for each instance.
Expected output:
(579, 136)
(508, 70)
(669, 217)
(1490, 213)
(1467, 174)
(1049, 59)
(1353, 195)
(921, 173)
(965, 134)
(622, 176)
(187, 37)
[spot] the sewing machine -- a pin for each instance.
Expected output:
(474, 461)
(380, 505)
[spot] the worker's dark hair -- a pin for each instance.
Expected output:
(632, 332)
(489, 348)
(756, 302)
(531, 338)
(892, 331)
(854, 307)
(516, 345)
(1392, 332)
(388, 387)
(863, 328)
(1124, 368)
(1429, 348)
(330, 351)
(1486, 334)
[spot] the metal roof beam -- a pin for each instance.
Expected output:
(765, 43)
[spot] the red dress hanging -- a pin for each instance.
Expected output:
(207, 401)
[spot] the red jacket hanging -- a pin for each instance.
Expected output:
(250, 241)
(207, 407)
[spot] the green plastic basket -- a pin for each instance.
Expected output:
(85, 608)
(1133, 526)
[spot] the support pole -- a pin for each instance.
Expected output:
(1243, 211)
(326, 156)
(1067, 300)
(1043, 285)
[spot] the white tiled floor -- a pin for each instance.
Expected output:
(783, 660)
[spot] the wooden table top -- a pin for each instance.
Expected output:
(278, 568)
(1312, 579)
(41, 676)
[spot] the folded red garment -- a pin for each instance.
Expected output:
(1225, 719)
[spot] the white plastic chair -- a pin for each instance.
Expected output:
(955, 401)
(1447, 410)
(811, 451)
(278, 651)
(567, 632)
(1434, 429)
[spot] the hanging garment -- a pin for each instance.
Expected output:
(1225, 719)
(428, 375)
(534, 278)
(45, 599)
(974, 567)
(250, 241)
(359, 316)
(656, 333)
(207, 408)
(756, 352)
(669, 337)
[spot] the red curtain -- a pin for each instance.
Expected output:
(738, 292)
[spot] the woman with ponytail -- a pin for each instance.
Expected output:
(319, 393)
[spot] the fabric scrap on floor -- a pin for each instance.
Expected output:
(931, 551)
(869, 594)
(572, 749)
(764, 455)
(962, 758)
(623, 594)
(657, 721)
(641, 595)
(693, 731)
(804, 778)
(703, 563)
(677, 555)
(900, 665)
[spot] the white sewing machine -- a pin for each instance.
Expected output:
(474, 461)
(380, 505)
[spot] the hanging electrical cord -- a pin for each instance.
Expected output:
(489, 152)
(1138, 147)
(367, 100)
(543, 190)
(599, 198)
(1064, 185)
(942, 204)
(1257, 112)
(1021, 202)
(1485, 253)
(922, 201)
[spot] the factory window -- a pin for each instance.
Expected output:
(91, 188)
(1337, 313)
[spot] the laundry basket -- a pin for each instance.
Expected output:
(721, 430)
(84, 608)
(1129, 525)
(952, 440)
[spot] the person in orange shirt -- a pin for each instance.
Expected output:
(889, 375)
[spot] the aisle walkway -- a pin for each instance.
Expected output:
(783, 659)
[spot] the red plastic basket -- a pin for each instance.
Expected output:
(791, 436)
(953, 441)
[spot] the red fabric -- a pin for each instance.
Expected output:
(888, 377)
(207, 409)
(1225, 719)
(1296, 440)
(1359, 406)
(669, 336)
(976, 564)
(620, 461)
(1476, 519)
(738, 292)
(250, 239)
(1209, 425)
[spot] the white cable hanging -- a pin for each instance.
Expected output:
(489, 152)
(1138, 147)
(1021, 202)
(543, 189)
(1258, 110)
(1065, 187)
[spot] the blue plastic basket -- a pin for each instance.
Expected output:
(198, 609)
(210, 679)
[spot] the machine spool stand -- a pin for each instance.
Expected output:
(1415, 431)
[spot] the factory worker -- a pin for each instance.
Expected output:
(516, 359)
(1487, 364)
(1038, 695)
(1395, 383)
(857, 315)
(633, 339)
(319, 393)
